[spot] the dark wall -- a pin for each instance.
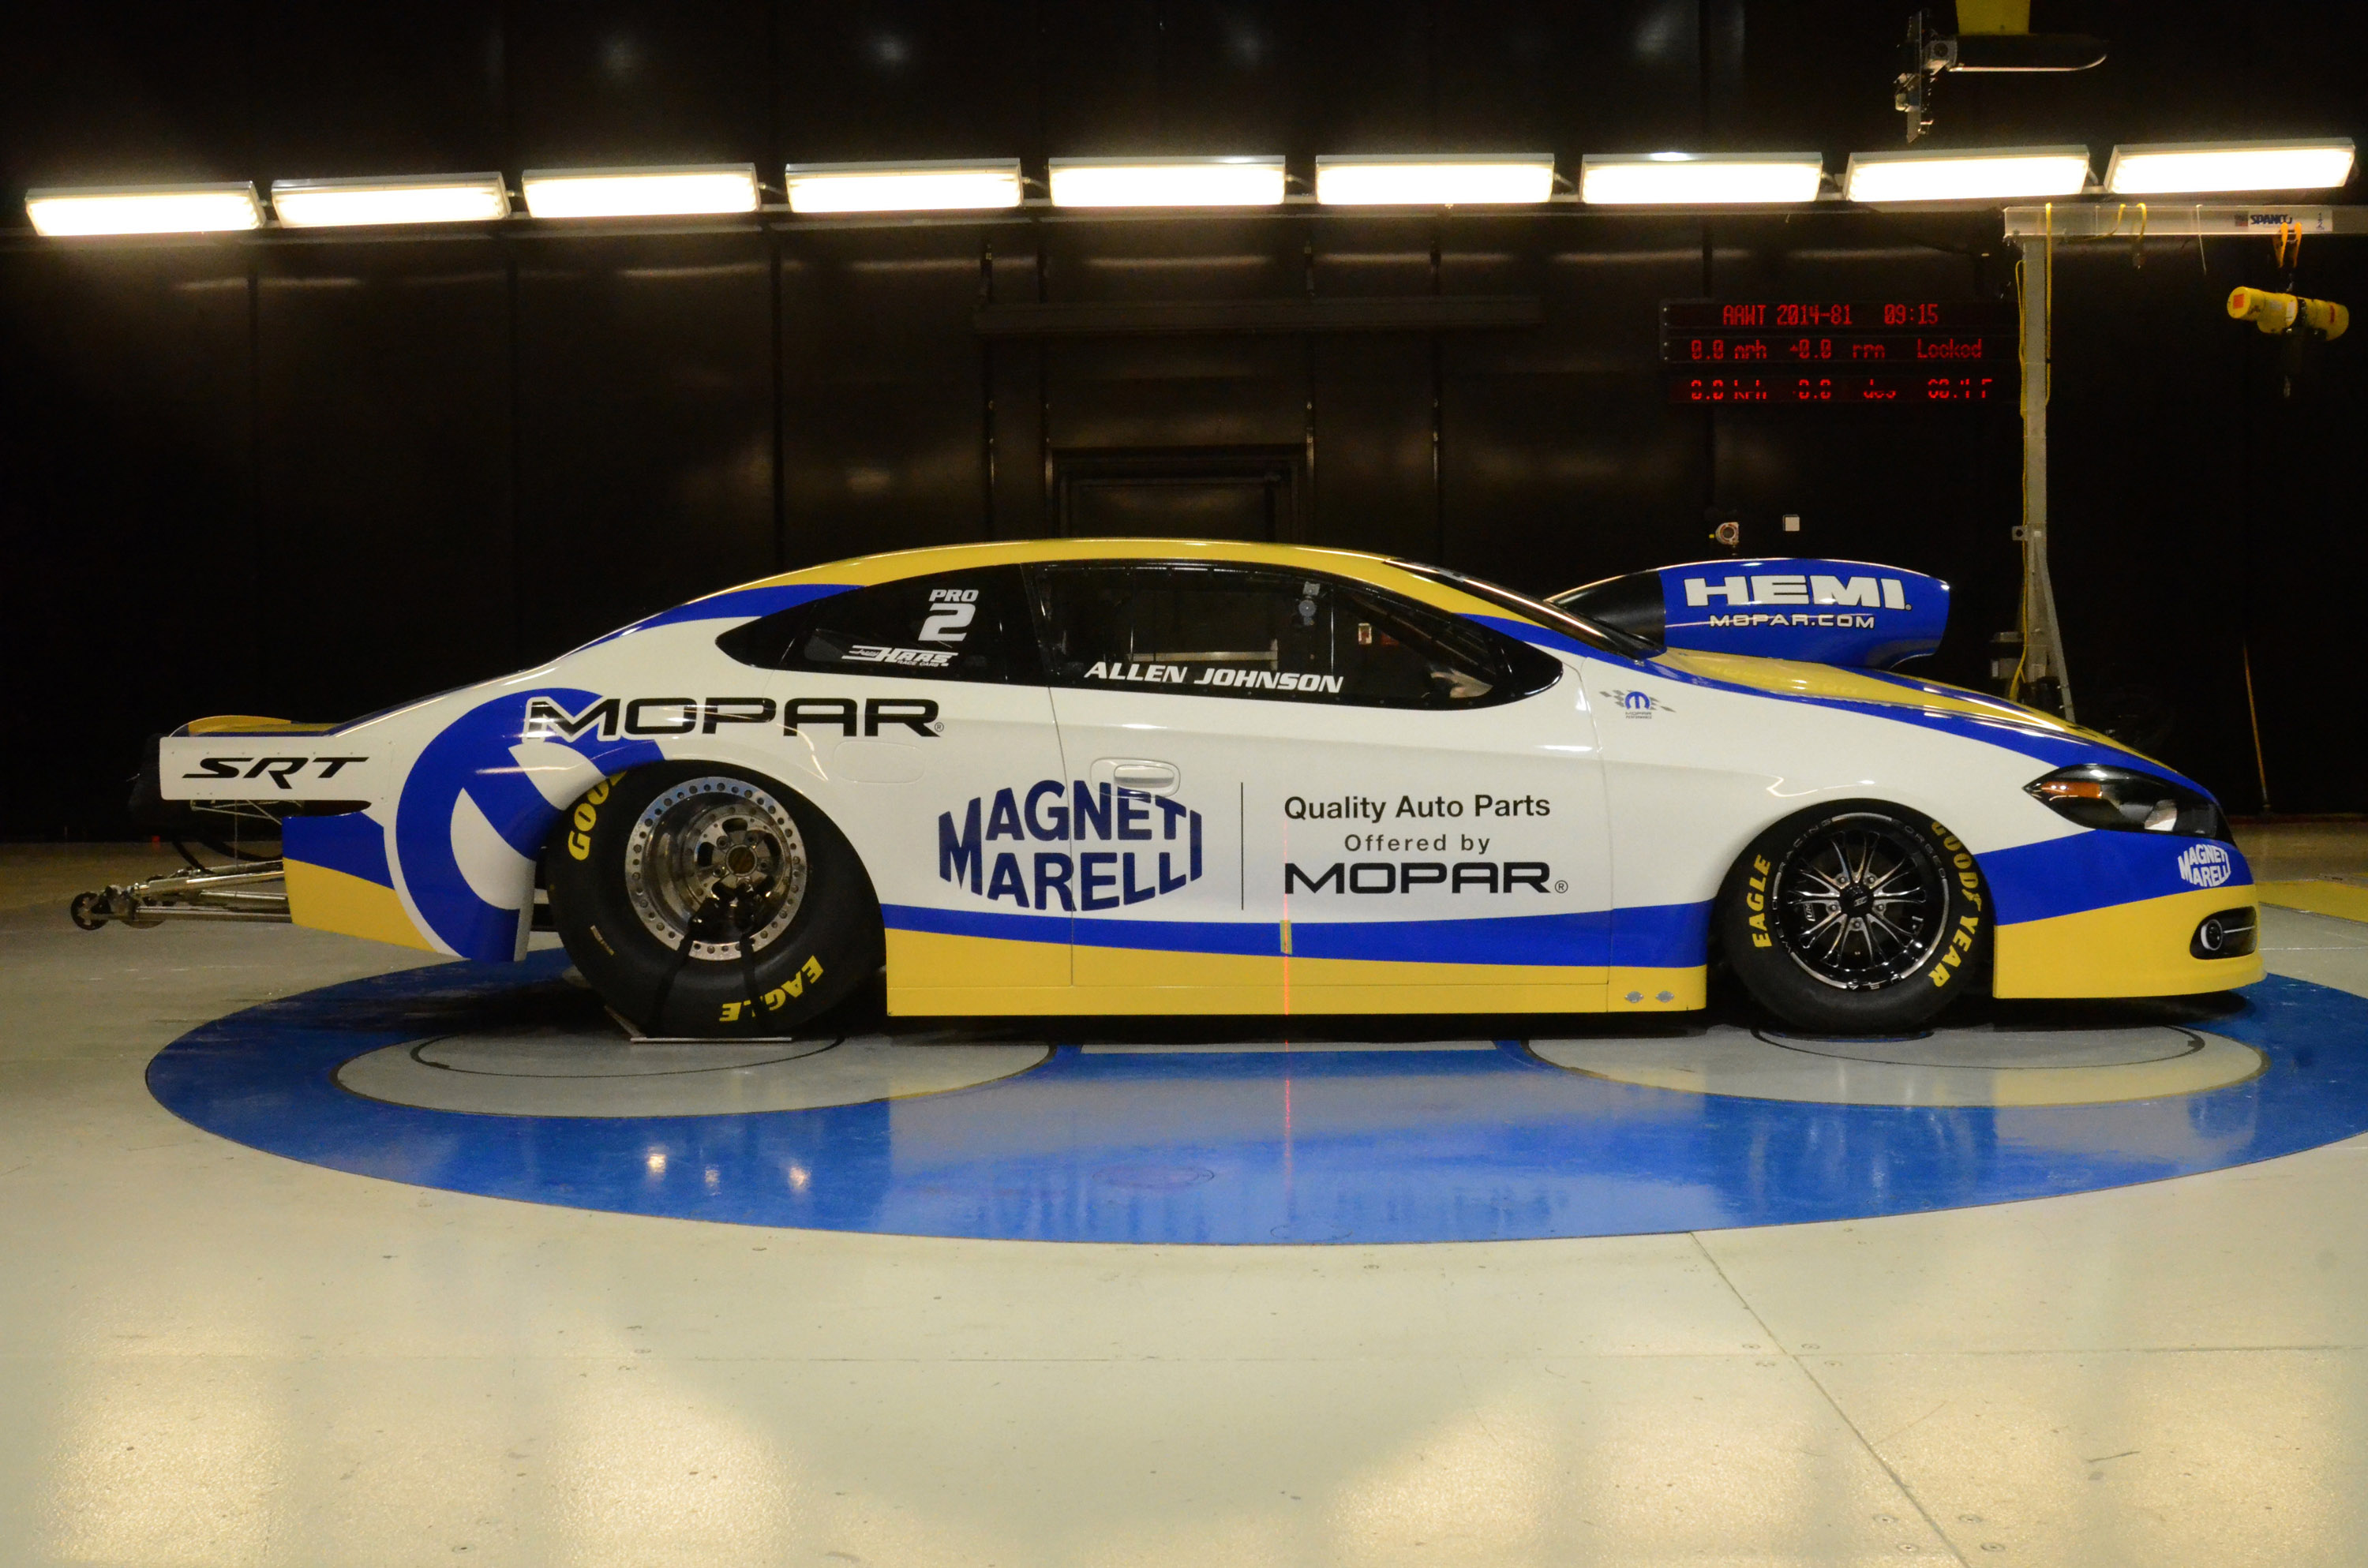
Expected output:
(310, 477)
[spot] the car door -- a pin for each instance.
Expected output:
(1268, 763)
(914, 712)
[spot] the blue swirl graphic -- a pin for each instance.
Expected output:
(472, 756)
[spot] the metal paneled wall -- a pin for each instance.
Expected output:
(1561, 463)
(126, 436)
(383, 456)
(883, 415)
(644, 455)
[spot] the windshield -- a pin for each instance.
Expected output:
(1594, 635)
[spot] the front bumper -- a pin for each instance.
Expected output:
(2140, 949)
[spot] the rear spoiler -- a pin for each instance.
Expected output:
(1850, 613)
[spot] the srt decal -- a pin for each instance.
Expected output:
(2205, 866)
(1052, 812)
(279, 769)
(607, 718)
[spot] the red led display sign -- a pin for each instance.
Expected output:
(1802, 389)
(1802, 352)
(1849, 315)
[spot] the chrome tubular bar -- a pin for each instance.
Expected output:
(256, 893)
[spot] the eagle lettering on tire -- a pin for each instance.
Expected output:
(1855, 917)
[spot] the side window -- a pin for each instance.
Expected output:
(1260, 632)
(953, 626)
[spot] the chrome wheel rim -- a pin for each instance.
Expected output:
(1859, 902)
(716, 866)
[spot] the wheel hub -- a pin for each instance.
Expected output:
(1859, 902)
(716, 867)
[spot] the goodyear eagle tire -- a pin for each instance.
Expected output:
(702, 899)
(1856, 917)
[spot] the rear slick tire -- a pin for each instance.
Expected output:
(707, 901)
(1856, 917)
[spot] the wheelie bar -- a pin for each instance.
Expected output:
(252, 892)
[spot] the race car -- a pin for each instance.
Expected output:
(1150, 776)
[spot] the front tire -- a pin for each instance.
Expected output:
(1857, 917)
(705, 901)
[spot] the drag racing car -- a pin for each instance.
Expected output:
(1151, 776)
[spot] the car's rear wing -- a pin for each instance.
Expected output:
(1829, 612)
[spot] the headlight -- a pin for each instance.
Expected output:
(2096, 796)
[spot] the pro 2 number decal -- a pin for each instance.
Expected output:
(951, 610)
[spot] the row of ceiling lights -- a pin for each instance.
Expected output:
(1652, 178)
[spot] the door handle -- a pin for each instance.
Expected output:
(1139, 773)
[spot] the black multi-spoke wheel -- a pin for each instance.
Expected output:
(1858, 900)
(1855, 917)
(704, 901)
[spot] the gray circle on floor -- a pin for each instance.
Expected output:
(1967, 1066)
(597, 1074)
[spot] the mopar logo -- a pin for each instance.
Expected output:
(2205, 865)
(1054, 812)
(610, 716)
(1637, 704)
(1406, 876)
(1795, 588)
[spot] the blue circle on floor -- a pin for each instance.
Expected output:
(1400, 1145)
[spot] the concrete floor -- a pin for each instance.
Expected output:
(213, 1355)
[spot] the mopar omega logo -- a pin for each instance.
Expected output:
(1054, 812)
(1636, 704)
(2205, 866)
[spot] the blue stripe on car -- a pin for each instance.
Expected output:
(352, 842)
(2093, 870)
(1658, 936)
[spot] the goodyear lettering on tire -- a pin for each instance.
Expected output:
(587, 816)
(1756, 902)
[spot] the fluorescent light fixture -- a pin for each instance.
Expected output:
(1457, 181)
(144, 208)
(2167, 167)
(1700, 179)
(671, 192)
(403, 198)
(1982, 174)
(952, 187)
(1166, 182)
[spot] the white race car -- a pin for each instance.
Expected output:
(1147, 776)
